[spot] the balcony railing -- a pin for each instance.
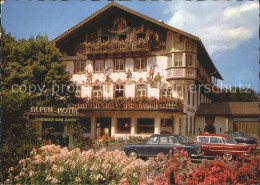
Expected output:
(181, 72)
(205, 77)
(121, 46)
(131, 104)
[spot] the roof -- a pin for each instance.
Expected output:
(160, 23)
(217, 135)
(230, 108)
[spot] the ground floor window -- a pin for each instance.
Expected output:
(166, 126)
(145, 125)
(123, 125)
(86, 124)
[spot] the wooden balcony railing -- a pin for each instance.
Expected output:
(131, 104)
(120, 46)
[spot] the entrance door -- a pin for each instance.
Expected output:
(104, 125)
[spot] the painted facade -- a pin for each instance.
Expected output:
(130, 59)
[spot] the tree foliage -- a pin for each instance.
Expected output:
(236, 94)
(32, 74)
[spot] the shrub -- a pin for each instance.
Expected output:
(51, 164)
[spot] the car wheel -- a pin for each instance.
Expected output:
(227, 156)
(132, 153)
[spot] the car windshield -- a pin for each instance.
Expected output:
(230, 141)
(183, 139)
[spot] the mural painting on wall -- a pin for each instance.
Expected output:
(89, 76)
(119, 25)
(154, 81)
(129, 77)
(179, 43)
(108, 80)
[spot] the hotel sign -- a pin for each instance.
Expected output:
(51, 110)
(57, 119)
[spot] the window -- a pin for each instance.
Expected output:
(164, 140)
(189, 60)
(152, 140)
(119, 91)
(140, 91)
(140, 35)
(203, 139)
(123, 125)
(80, 66)
(145, 125)
(166, 122)
(97, 91)
(78, 90)
(119, 64)
(140, 64)
(169, 61)
(121, 37)
(104, 38)
(166, 93)
(230, 141)
(86, 124)
(99, 65)
(215, 140)
(177, 60)
(175, 139)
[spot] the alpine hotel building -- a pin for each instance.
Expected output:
(135, 73)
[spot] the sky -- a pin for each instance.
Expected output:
(228, 29)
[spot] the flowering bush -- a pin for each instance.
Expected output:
(53, 165)
(114, 45)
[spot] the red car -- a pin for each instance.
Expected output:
(222, 145)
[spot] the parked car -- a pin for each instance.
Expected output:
(242, 137)
(162, 143)
(222, 145)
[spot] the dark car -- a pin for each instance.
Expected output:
(222, 145)
(162, 143)
(242, 137)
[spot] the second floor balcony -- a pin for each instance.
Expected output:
(131, 104)
(120, 46)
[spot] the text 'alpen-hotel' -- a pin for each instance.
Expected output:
(132, 70)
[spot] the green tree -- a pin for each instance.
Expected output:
(236, 94)
(37, 67)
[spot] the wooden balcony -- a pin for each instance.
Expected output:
(120, 46)
(131, 104)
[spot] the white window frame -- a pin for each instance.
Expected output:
(141, 91)
(178, 59)
(166, 93)
(189, 62)
(120, 62)
(138, 64)
(80, 66)
(95, 92)
(99, 65)
(119, 89)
